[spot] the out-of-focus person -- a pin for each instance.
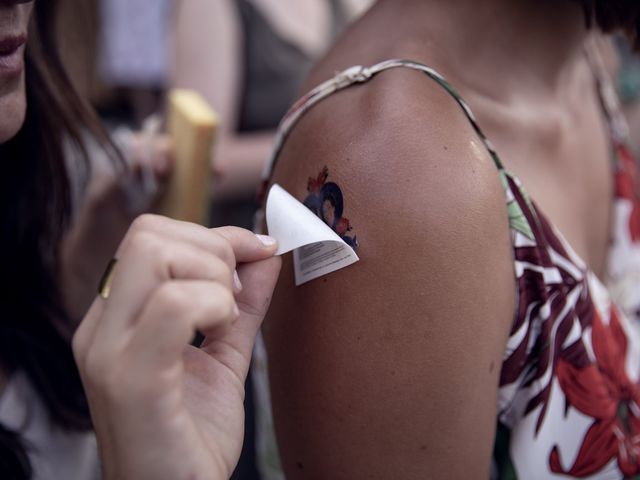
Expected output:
(177, 416)
(107, 196)
(132, 51)
(248, 58)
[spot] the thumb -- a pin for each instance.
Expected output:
(258, 280)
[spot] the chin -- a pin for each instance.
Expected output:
(13, 107)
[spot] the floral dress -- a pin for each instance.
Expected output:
(569, 397)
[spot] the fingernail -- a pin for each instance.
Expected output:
(237, 284)
(266, 240)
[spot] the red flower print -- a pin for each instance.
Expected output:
(326, 201)
(603, 391)
(626, 180)
(314, 185)
(343, 226)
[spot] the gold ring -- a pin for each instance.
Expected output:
(104, 287)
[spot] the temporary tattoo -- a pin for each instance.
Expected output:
(325, 201)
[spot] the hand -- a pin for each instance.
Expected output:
(104, 215)
(163, 409)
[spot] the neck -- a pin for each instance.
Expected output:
(536, 43)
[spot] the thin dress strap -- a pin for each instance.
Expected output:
(352, 76)
(609, 100)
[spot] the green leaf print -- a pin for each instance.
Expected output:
(517, 220)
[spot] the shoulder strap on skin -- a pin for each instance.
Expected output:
(608, 95)
(352, 76)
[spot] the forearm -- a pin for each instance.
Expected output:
(239, 162)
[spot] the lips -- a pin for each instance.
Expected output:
(11, 54)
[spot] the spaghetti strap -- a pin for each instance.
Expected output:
(352, 76)
(616, 120)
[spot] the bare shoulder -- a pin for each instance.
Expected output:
(376, 358)
(406, 156)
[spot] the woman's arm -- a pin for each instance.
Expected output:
(207, 57)
(389, 368)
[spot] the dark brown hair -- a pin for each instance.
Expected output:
(35, 208)
(612, 15)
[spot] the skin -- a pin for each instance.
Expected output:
(207, 56)
(14, 20)
(397, 358)
(161, 408)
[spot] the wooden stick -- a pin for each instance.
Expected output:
(192, 125)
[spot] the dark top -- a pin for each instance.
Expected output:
(274, 68)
